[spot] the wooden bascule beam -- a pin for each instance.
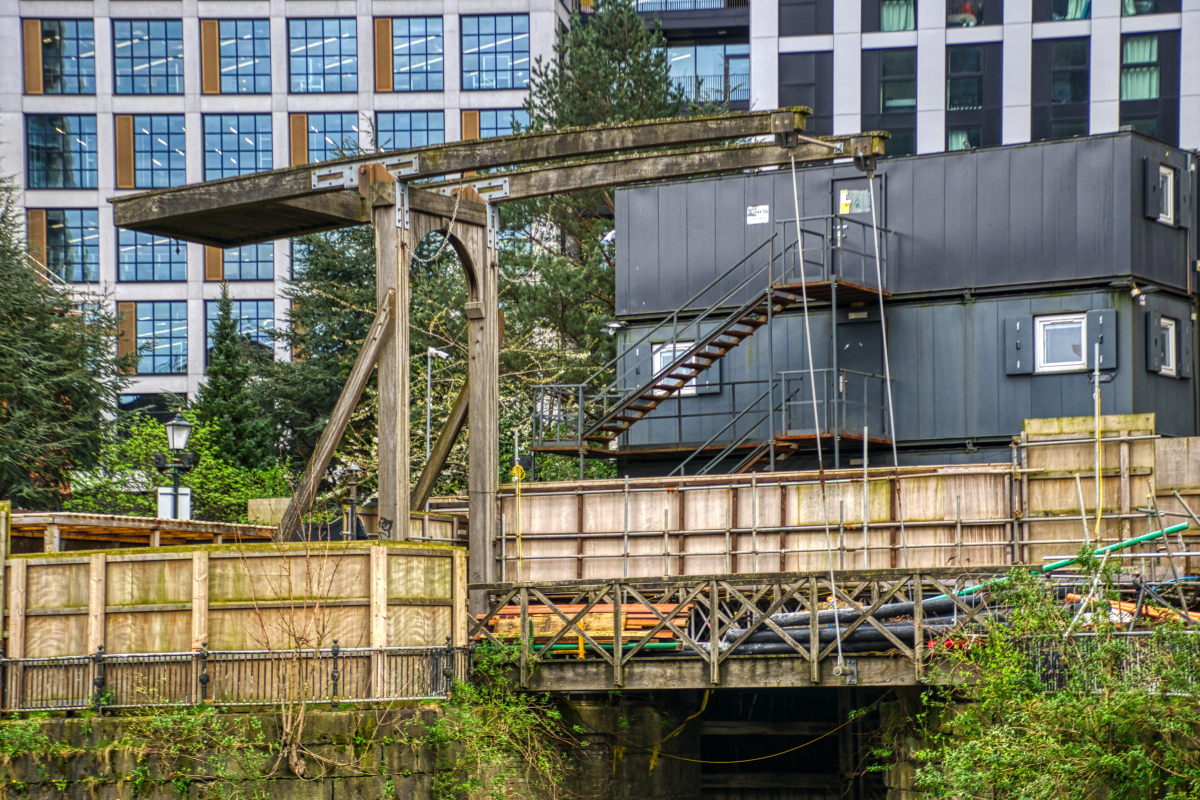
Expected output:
(261, 207)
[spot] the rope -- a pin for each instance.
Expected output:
(812, 379)
(445, 236)
(887, 366)
(783, 753)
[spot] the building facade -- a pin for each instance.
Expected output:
(111, 97)
(953, 74)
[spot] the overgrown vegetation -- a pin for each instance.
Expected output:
(125, 480)
(491, 739)
(488, 740)
(1030, 714)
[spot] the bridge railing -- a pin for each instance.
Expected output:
(712, 618)
(231, 678)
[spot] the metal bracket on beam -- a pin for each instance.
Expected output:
(403, 206)
(488, 189)
(403, 166)
(344, 176)
(850, 672)
(493, 225)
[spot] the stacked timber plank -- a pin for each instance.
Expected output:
(636, 622)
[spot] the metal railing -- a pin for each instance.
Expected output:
(713, 88)
(645, 6)
(232, 678)
(847, 403)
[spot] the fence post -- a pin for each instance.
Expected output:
(379, 617)
(98, 679)
(203, 679)
(333, 677)
(96, 602)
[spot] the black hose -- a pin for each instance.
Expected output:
(827, 633)
(930, 608)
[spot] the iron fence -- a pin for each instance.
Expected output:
(232, 678)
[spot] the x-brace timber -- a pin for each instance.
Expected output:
(379, 189)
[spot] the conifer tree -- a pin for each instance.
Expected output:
(227, 398)
(59, 374)
(332, 294)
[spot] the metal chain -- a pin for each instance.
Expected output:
(445, 236)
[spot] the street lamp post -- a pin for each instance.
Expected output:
(354, 475)
(179, 430)
(430, 354)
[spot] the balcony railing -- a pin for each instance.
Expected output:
(713, 88)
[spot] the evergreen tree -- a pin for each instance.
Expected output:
(609, 68)
(332, 294)
(59, 374)
(227, 397)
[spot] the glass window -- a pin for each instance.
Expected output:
(323, 55)
(73, 244)
(236, 144)
(962, 138)
(1170, 360)
(255, 318)
(499, 121)
(148, 56)
(300, 252)
(898, 81)
(61, 151)
(1069, 72)
(495, 52)
(158, 151)
(245, 56)
(332, 136)
(964, 84)
(155, 406)
(1166, 194)
(897, 15)
(417, 54)
(968, 13)
(1131, 8)
(162, 337)
(1058, 344)
(250, 262)
(715, 73)
(1070, 9)
(68, 56)
(397, 130)
(146, 257)
(1139, 67)
(664, 354)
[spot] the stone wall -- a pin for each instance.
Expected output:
(356, 755)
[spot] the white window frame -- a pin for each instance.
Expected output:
(667, 352)
(1039, 343)
(1170, 362)
(1166, 201)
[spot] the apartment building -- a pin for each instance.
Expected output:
(951, 74)
(117, 96)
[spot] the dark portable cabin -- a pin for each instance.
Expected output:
(1002, 269)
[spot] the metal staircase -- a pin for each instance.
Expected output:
(701, 332)
(686, 366)
(668, 363)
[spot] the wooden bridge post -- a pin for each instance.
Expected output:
(392, 250)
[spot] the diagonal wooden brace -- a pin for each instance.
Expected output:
(306, 490)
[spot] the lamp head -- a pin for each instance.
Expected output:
(433, 351)
(179, 430)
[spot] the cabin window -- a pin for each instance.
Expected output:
(1170, 350)
(1166, 194)
(1059, 343)
(666, 353)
